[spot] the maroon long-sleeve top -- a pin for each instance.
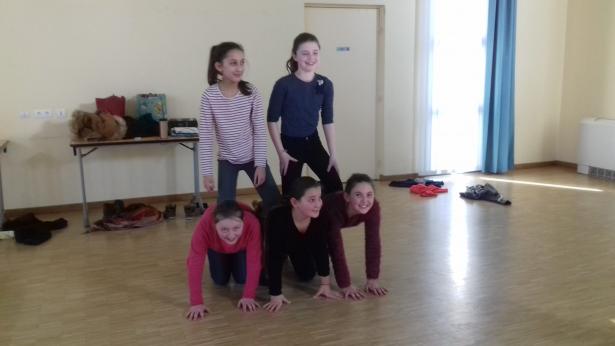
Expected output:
(334, 210)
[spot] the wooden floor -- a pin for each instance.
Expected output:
(540, 272)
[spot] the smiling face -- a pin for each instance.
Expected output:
(230, 229)
(361, 198)
(307, 56)
(310, 203)
(232, 66)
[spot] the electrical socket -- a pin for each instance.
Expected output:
(60, 113)
(42, 113)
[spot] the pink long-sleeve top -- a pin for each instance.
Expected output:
(334, 209)
(205, 237)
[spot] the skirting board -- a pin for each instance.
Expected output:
(210, 196)
(181, 198)
(517, 166)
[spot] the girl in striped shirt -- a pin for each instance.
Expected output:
(233, 109)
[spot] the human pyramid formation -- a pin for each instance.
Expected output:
(304, 223)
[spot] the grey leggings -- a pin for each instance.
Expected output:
(227, 183)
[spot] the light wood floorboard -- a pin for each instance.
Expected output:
(540, 272)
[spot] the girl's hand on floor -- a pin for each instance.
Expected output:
(326, 292)
(248, 305)
(352, 292)
(276, 303)
(197, 312)
(373, 286)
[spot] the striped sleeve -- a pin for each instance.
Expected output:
(206, 136)
(258, 124)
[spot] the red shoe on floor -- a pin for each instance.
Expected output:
(436, 189)
(428, 193)
(418, 188)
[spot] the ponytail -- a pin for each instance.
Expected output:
(217, 53)
(291, 64)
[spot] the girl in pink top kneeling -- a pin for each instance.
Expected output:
(230, 236)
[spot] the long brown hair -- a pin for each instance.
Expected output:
(217, 53)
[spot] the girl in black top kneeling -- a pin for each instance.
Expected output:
(293, 230)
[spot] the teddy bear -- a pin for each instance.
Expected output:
(104, 126)
(92, 126)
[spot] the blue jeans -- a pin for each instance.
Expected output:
(227, 183)
(222, 265)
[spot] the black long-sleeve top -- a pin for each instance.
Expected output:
(283, 239)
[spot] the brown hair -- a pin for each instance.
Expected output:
(217, 53)
(226, 210)
(291, 64)
(357, 178)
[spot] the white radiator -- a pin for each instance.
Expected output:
(597, 147)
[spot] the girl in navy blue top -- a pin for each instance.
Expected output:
(299, 99)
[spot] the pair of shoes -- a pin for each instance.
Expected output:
(427, 190)
(169, 211)
(189, 211)
(111, 210)
(194, 209)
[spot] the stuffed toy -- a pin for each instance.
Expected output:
(91, 126)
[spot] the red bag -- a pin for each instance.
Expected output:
(114, 105)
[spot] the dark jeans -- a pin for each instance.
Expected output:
(227, 183)
(222, 265)
(309, 150)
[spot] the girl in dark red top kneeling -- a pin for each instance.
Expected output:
(355, 205)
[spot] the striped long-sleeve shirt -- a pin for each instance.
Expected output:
(239, 125)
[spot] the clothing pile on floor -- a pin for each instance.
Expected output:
(484, 192)
(116, 216)
(427, 190)
(28, 229)
(416, 181)
(420, 186)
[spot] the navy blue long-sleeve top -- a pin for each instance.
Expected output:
(299, 104)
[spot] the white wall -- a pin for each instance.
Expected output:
(541, 34)
(65, 53)
(589, 74)
(72, 52)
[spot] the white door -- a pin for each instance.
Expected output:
(349, 51)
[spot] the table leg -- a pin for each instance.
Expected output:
(1, 200)
(86, 220)
(197, 186)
